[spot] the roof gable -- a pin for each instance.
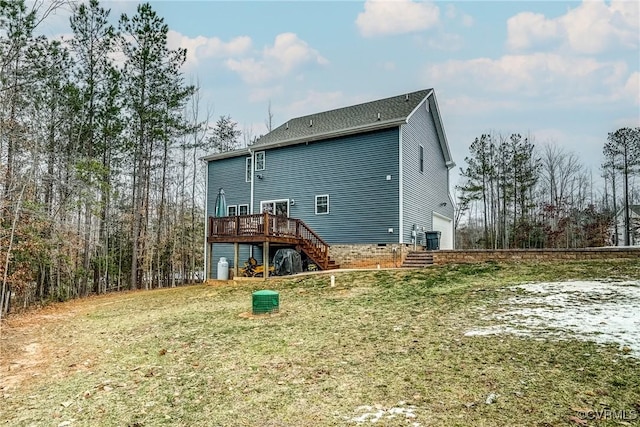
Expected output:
(357, 118)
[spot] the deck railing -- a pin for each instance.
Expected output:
(266, 225)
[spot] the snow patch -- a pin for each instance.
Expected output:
(373, 414)
(604, 312)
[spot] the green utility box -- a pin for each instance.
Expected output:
(266, 302)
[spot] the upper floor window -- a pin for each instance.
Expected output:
(243, 209)
(248, 170)
(232, 210)
(421, 159)
(260, 161)
(322, 204)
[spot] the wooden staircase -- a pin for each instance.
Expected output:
(314, 247)
(418, 259)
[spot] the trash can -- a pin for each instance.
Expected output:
(433, 240)
(223, 269)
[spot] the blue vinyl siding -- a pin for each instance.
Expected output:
(352, 170)
(423, 192)
(228, 174)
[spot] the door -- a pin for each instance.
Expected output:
(276, 207)
(277, 224)
(445, 226)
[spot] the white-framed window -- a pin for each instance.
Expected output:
(232, 210)
(243, 209)
(260, 161)
(322, 204)
(421, 159)
(248, 170)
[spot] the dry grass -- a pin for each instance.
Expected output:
(383, 339)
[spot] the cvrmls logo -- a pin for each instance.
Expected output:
(609, 414)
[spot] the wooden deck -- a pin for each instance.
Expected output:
(267, 228)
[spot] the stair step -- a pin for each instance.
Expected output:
(418, 260)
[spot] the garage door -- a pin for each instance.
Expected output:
(445, 226)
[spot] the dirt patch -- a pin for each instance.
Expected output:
(604, 312)
(28, 343)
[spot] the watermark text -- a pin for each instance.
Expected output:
(609, 414)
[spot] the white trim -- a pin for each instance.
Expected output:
(248, 169)
(253, 165)
(441, 216)
(229, 207)
(316, 205)
(264, 161)
(418, 106)
(206, 222)
(400, 188)
(442, 137)
(243, 206)
(274, 202)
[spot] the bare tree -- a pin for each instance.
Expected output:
(622, 149)
(269, 120)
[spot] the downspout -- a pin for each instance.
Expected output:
(253, 169)
(400, 190)
(206, 221)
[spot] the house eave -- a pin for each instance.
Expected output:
(227, 154)
(386, 124)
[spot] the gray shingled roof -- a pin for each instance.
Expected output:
(370, 114)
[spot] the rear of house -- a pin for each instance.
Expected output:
(372, 174)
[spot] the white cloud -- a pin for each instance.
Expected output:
(556, 77)
(287, 54)
(383, 17)
(592, 27)
(452, 13)
(200, 47)
(527, 28)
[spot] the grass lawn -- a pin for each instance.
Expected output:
(386, 346)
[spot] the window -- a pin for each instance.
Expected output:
(232, 210)
(322, 204)
(243, 210)
(421, 160)
(249, 171)
(260, 163)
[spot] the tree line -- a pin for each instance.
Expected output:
(100, 139)
(518, 195)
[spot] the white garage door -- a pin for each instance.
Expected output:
(445, 226)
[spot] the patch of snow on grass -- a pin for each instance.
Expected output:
(373, 414)
(604, 312)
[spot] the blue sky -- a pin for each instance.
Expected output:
(564, 72)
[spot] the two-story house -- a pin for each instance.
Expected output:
(372, 173)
